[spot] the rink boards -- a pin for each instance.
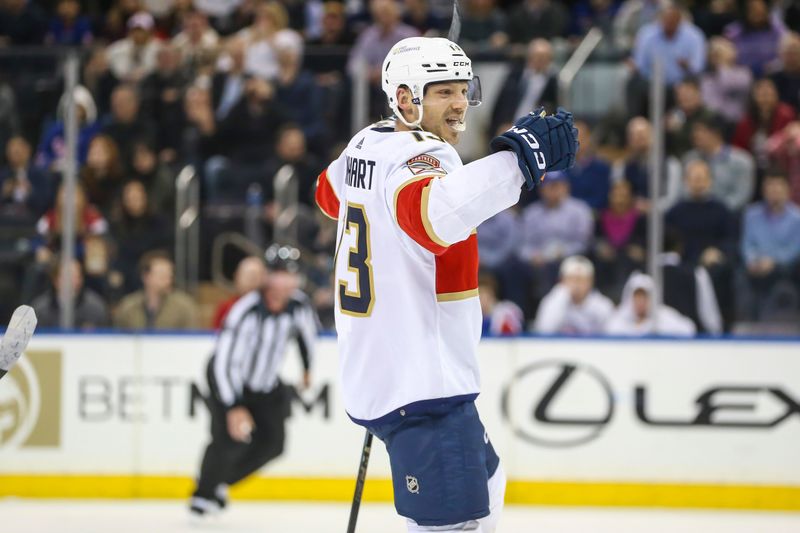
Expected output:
(702, 423)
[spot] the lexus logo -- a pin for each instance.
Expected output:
(558, 403)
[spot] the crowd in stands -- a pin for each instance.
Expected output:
(244, 88)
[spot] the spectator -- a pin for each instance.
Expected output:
(679, 43)
(783, 148)
(635, 169)
(620, 240)
(588, 14)
(532, 19)
(298, 93)
(767, 115)
(632, 15)
(573, 306)
(89, 223)
(103, 174)
(249, 276)
(157, 177)
(590, 178)
(91, 246)
(227, 85)
(162, 92)
(702, 222)
(732, 169)
(329, 68)
(787, 77)
(117, 17)
(243, 142)
(499, 317)
(99, 79)
(635, 316)
(498, 238)
(706, 231)
(725, 86)
(125, 124)
(69, 27)
(335, 31)
(90, 310)
(261, 60)
(680, 121)
(770, 243)
(197, 42)
(374, 43)
(137, 229)
(158, 305)
(418, 14)
(713, 17)
(290, 149)
(22, 22)
(483, 25)
(553, 228)
(23, 185)
(52, 148)
(757, 36)
(135, 56)
(526, 88)
(198, 134)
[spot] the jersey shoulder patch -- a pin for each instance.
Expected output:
(425, 164)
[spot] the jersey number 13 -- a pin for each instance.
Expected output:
(357, 302)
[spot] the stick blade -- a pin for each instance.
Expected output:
(18, 333)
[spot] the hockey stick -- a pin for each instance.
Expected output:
(360, 479)
(18, 333)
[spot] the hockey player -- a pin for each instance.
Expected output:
(407, 311)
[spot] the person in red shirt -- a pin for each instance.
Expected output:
(248, 277)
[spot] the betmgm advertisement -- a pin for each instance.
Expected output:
(575, 421)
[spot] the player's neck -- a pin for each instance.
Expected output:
(401, 126)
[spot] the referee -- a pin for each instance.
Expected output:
(248, 403)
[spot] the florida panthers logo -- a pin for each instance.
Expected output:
(425, 164)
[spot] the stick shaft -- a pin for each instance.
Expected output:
(362, 476)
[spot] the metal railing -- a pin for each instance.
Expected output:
(187, 229)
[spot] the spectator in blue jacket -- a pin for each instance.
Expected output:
(69, 27)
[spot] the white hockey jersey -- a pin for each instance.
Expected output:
(407, 313)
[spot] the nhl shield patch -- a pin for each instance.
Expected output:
(412, 484)
(425, 163)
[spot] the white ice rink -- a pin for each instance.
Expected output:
(81, 516)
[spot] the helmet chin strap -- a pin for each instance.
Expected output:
(413, 125)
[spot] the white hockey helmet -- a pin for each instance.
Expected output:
(417, 61)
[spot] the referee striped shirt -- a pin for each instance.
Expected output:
(252, 345)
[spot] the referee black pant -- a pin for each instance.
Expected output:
(227, 461)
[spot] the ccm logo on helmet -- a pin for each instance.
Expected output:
(460, 63)
(534, 144)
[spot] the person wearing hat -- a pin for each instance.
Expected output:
(134, 57)
(247, 400)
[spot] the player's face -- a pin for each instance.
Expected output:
(445, 108)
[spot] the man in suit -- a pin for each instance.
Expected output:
(527, 87)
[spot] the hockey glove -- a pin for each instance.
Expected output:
(541, 142)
